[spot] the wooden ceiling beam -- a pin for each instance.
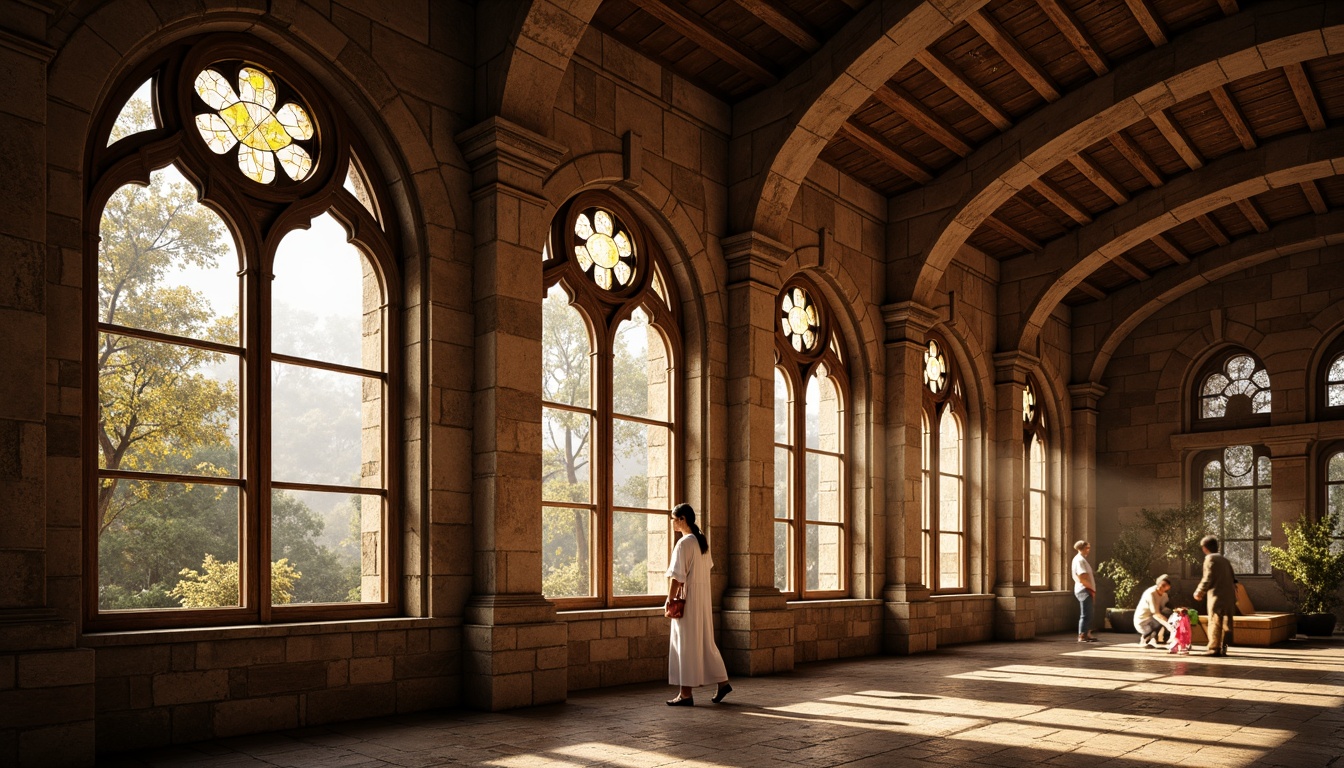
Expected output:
(1100, 178)
(1091, 290)
(903, 103)
(1013, 233)
(1171, 249)
(873, 142)
(1149, 20)
(1232, 114)
(1229, 6)
(1073, 31)
(784, 21)
(1176, 137)
(1314, 198)
(1061, 200)
(942, 69)
(1212, 229)
(1253, 215)
(1017, 58)
(1131, 151)
(1130, 268)
(1306, 97)
(695, 28)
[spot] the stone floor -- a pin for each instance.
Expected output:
(1048, 701)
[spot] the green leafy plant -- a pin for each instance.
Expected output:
(1176, 532)
(1313, 560)
(1128, 565)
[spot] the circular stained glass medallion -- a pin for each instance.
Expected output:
(935, 367)
(604, 249)
(799, 320)
(248, 119)
(1028, 403)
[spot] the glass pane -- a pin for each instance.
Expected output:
(949, 444)
(1213, 474)
(566, 552)
(152, 532)
(1213, 512)
(1238, 459)
(1261, 379)
(566, 463)
(949, 561)
(782, 409)
(326, 547)
(1335, 468)
(1213, 407)
(1261, 402)
(1263, 529)
(1336, 370)
(926, 444)
(949, 503)
(783, 471)
(1264, 470)
(136, 116)
(823, 557)
(927, 561)
(782, 534)
(1240, 553)
(167, 263)
(326, 301)
(825, 476)
(823, 415)
(642, 465)
(640, 543)
(357, 185)
(1262, 566)
(1036, 521)
(1335, 500)
(1037, 464)
(166, 408)
(1037, 563)
(1214, 385)
(566, 368)
(325, 427)
(1238, 511)
(1240, 367)
(1335, 395)
(640, 372)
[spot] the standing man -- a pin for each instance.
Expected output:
(1222, 591)
(1085, 589)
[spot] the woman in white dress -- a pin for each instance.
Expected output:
(693, 659)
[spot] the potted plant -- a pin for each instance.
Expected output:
(1314, 562)
(1127, 568)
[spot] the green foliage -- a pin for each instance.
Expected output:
(1127, 568)
(218, 586)
(1176, 532)
(1313, 560)
(1161, 535)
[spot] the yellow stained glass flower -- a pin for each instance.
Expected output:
(248, 118)
(799, 320)
(606, 250)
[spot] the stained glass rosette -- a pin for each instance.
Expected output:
(604, 249)
(248, 118)
(799, 320)
(1240, 376)
(935, 368)
(1028, 404)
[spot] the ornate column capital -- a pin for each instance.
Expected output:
(1012, 367)
(753, 258)
(908, 321)
(501, 152)
(1085, 396)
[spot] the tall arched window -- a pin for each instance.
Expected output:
(1233, 390)
(1037, 493)
(943, 518)
(1334, 490)
(810, 449)
(1235, 487)
(242, 376)
(609, 428)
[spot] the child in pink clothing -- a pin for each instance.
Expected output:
(1180, 635)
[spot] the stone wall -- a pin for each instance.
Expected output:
(836, 629)
(965, 618)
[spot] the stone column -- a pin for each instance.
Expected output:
(1081, 522)
(1288, 487)
(46, 689)
(757, 635)
(1013, 615)
(910, 622)
(516, 651)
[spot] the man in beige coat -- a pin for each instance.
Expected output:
(1222, 590)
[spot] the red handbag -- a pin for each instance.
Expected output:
(675, 607)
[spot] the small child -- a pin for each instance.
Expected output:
(1180, 632)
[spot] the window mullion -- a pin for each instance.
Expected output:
(603, 450)
(254, 528)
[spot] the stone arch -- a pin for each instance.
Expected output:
(1218, 53)
(526, 47)
(1138, 302)
(1177, 377)
(1071, 258)
(795, 118)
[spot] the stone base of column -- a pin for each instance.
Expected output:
(516, 653)
(1014, 615)
(756, 635)
(909, 621)
(47, 717)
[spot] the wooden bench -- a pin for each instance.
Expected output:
(1254, 629)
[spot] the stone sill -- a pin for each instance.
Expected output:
(1052, 593)
(594, 614)
(956, 598)
(839, 602)
(253, 631)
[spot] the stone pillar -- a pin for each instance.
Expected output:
(1081, 522)
(910, 622)
(1013, 615)
(757, 635)
(46, 683)
(1288, 486)
(516, 651)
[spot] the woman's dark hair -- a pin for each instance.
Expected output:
(684, 511)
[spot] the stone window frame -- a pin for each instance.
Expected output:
(1333, 351)
(1327, 452)
(1214, 365)
(1035, 435)
(949, 399)
(603, 311)
(798, 367)
(257, 217)
(1200, 462)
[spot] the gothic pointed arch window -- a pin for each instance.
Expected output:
(1232, 390)
(1036, 476)
(609, 437)
(241, 382)
(942, 464)
(811, 442)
